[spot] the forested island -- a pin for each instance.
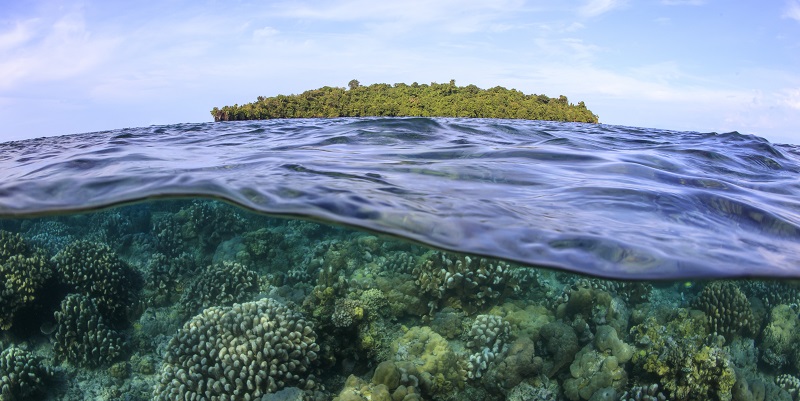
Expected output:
(415, 100)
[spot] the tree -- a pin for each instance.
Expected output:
(434, 100)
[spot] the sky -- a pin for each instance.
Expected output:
(692, 65)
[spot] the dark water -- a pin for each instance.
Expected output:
(604, 200)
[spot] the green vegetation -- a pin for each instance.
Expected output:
(415, 100)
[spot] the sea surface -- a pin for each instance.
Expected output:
(610, 201)
(399, 259)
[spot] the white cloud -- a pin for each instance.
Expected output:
(594, 8)
(790, 97)
(792, 10)
(35, 51)
(265, 32)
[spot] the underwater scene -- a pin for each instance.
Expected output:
(399, 260)
(201, 300)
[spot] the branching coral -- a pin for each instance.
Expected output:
(488, 339)
(22, 375)
(466, 281)
(240, 352)
(82, 335)
(220, 285)
(94, 270)
(24, 270)
(687, 367)
(727, 309)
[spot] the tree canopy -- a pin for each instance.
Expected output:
(415, 100)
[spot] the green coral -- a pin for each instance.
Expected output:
(438, 368)
(598, 366)
(82, 335)
(208, 223)
(24, 271)
(221, 284)
(727, 309)
(22, 375)
(687, 367)
(780, 336)
(466, 282)
(94, 270)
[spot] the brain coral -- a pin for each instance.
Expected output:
(240, 352)
(23, 270)
(82, 336)
(94, 270)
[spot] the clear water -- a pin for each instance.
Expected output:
(130, 255)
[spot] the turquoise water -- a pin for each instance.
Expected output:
(399, 259)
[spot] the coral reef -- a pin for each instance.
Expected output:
(779, 339)
(643, 393)
(209, 223)
(24, 270)
(50, 235)
(727, 309)
(240, 352)
(789, 383)
(221, 284)
(94, 270)
(466, 282)
(631, 292)
(389, 382)
(347, 312)
(526, 392)
(436, 366)
(599, 367)
(167, 276)
(488, 339)
(561, 344)
(687, 368)
(589, 307)
(82, 335)
(22, 375)
(520, 363)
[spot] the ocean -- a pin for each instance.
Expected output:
(400, 259)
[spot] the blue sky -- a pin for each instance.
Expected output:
(699, 65)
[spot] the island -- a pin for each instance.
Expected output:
(415, 100)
